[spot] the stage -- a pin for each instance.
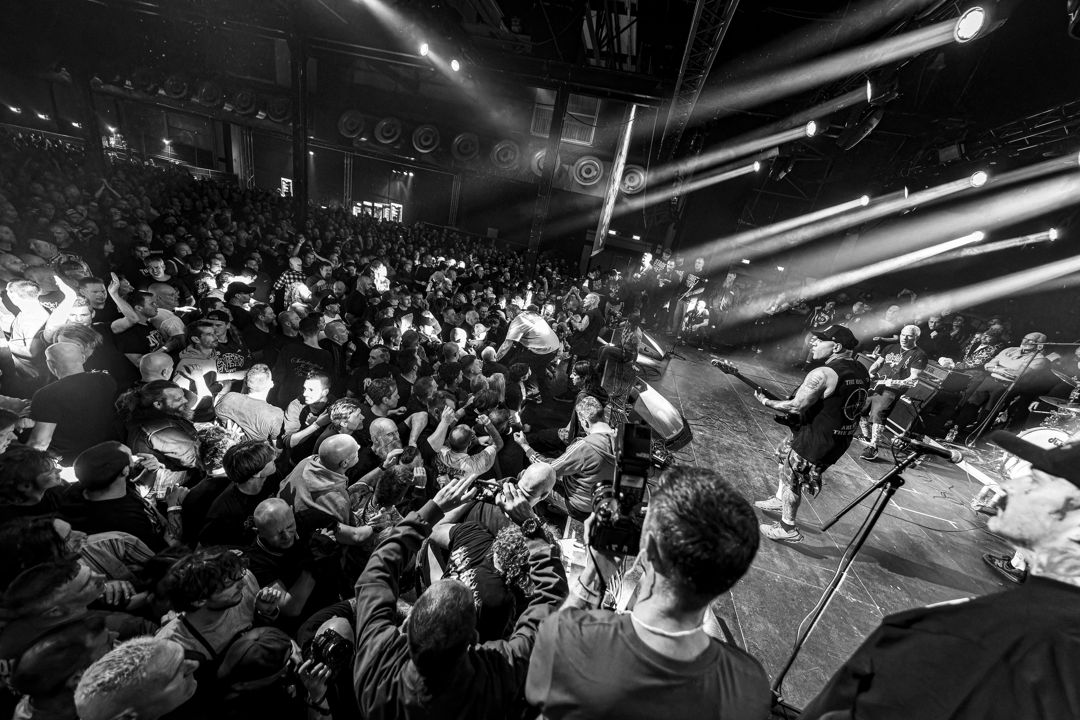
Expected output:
(926, 549)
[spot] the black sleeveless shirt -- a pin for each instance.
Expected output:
(829, 424)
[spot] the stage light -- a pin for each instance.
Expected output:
(811, 128)
(869, 91)
(15, 109)
(167, 141)
(745, 261)
(424, 49)
(455, 65)
(780, 268)
(311, 152)
(111, 129)
(42, 116)
(757, 166)
(1052, 233)
(969, 24)
(76, 125)
(979, 178)
(865, 199)
(636, 237)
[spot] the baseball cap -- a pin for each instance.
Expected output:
(1062, 461)
(255, 659)
(838, 334)
(104, 460)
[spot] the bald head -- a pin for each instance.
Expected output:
(488, 354)
(64, 358)
(270, 511)
(155, 366)
(537, 481)
(339, 452)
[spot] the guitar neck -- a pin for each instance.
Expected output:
(757, 388)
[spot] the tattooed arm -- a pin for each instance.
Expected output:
(817, 384)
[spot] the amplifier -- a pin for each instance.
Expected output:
(904, 418)
(944, 379)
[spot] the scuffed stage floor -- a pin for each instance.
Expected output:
(926, 549)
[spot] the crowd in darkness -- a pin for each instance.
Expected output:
(256, 468)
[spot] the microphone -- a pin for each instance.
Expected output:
(904, 443)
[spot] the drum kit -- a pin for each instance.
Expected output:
(1060, 425)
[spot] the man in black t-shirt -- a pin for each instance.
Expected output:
(76, 411)
(229, 520)
(135, 339)
(298, 361)
(894, 372)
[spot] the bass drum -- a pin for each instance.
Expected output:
(1043, 437)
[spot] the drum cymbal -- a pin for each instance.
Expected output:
(1061, 404)
(1071, 382)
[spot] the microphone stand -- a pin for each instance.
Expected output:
(886, 486)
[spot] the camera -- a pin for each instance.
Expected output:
(619, 507)
(330, 649)
(489, 489)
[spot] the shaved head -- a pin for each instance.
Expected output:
(156, 366)
(64, 358)
(339, 452)
(537, 481)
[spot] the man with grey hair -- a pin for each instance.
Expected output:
(1008, 371)
(1014, 654)
(895, 370)
(141, 679)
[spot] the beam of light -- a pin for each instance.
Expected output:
(757, 234)
(764, 88)
(883, 207)
(884, 267)
(1018, 283)
(729, 151)
(969, 252)
(611, 193)
(841, 29)
(999, 210)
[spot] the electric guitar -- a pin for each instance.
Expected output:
(791, 420)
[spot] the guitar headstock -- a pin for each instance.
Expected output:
(725, 366)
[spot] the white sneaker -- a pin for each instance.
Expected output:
(778, 532)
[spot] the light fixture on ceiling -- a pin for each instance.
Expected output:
(969, 24)
(455, 65)
(424, 49)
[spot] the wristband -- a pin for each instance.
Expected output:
(173, 508)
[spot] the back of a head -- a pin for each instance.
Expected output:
(258, 379)
(156, 365)
(195, 577)
(20, 466)
(536, 481)
(309, 326)
(441, 627)
(460, 438)
(705, 531)
(131, 680)
(37, 588)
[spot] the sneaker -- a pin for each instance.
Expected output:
(1002, 565)
(773, 504)
(869, 453)
(779, 533)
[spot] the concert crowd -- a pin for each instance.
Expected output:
(250, 467)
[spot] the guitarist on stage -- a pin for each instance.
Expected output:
(829, 402)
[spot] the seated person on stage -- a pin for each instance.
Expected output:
(894, 372)
(696, 324)
(1007, 372)
(1014, 654)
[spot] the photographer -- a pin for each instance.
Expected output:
(435, 666)
(698, 539)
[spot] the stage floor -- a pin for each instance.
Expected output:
(926, 549)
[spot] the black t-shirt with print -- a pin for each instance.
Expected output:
(472, 562)
(899, 362)
(138, 340)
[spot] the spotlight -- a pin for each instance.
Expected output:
(979, 178)
(424, 49)
(865, 200)
(969, 24)
(811, 128)
(111, 129)
(42, 116)
(757, 166)
(76, 125)
(1052, 233)
(15, 109)
(636, 237)
(311, 153)
(610, 232)
(869, 91)
(780, 268)
(455, 65)
(745, 261)
(167, 141)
